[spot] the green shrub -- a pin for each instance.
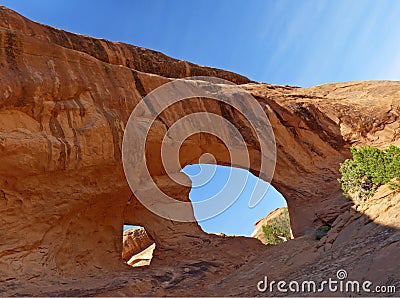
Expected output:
(321, 232)
(370, 168)
(278, 230)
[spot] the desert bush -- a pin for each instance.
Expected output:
(278, 230)
(321, 231)
(370, 168)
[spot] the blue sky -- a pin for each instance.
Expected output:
(300, 43)
(218, 182)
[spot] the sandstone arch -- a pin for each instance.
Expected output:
(63, 108)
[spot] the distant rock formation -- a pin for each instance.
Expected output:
(135, 240)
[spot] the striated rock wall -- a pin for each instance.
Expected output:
(64, 103)
(115, 53)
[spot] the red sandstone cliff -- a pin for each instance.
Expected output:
(64, 103)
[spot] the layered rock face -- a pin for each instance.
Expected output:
(64, 102)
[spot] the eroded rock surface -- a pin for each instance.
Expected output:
(135, 240)
(142, 258)
(64, 103)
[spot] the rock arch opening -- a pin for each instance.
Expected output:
(237, 188)
(137, 246)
